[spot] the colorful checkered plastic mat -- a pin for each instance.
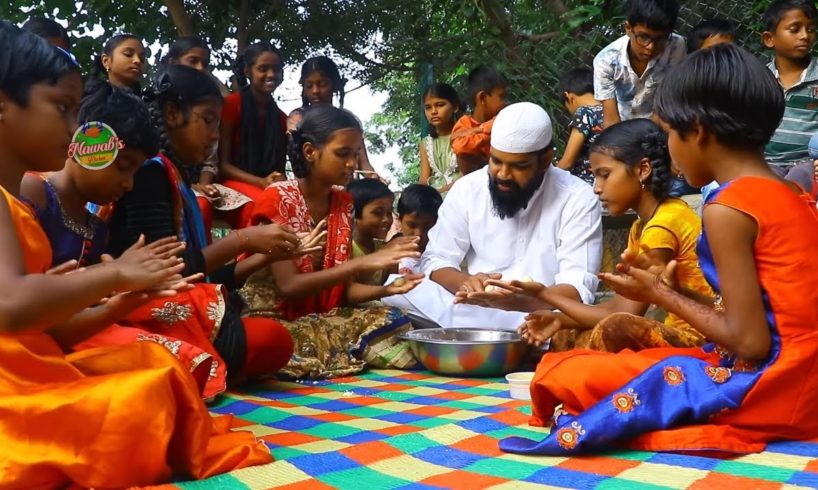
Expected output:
(395, 429)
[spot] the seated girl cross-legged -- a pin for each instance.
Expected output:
(757, 379)
(185, 105)
(115, 417)
(315, 296)
(631, 165)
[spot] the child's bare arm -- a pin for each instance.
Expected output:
(742, 327)
(425, 168)
(572, 150)
(37, 301)
(610, 113)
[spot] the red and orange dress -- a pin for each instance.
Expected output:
(103, 418)
(701, 398)
(331, 337)
(258, 147)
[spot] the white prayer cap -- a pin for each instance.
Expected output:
(521, 128)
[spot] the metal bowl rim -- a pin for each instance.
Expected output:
(406, 336)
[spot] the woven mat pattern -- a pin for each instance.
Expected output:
(395, 429)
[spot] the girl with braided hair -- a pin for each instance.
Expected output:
(185, 105)
(631, 165)
(117, 417)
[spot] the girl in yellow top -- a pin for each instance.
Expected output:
(631, 166)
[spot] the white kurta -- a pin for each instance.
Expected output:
(557, 239)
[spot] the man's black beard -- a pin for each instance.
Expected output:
(508, 203)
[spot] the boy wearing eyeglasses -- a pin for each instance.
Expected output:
(629, 70)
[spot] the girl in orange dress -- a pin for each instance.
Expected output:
(758, 380)
(104, 418)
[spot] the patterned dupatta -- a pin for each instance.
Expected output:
(284, 204)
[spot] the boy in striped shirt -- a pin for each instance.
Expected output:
(790, 31)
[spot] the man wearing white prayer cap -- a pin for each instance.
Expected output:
(518, 219)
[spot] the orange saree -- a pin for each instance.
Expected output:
(105, 418)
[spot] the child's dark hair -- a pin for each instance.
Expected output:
(317, 127)
(707, 29)
(446, 92)
(776, 11)
(98, 70)
(125, 113)
(579, 81)
(46, 28)
(247, 59)
(423, 200)
(658, 15)
(180, 85)
(484, 79)
(727, 91)
(181, 46)
(364, 191)
(328, 67)
(27, 59)
(634, 140)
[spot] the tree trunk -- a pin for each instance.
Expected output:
(180, 17)
(242, 34)
(496, 15)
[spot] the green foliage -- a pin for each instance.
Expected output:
(532, 43)
(386, 43)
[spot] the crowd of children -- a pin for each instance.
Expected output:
(117, 292)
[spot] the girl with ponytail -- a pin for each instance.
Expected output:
(317, 297)
(121, 62)
(631, 165)
(185, 105)
(253, 141)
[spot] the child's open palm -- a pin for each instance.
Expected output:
(403, 285)
(638, 284)
(141, 268)
(390, 256)
(539, 327)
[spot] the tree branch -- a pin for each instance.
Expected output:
(180, 17)
(267, 14)
(362, 59)
(496, 16)
(556, 6)
(538, 38)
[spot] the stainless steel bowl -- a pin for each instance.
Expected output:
(467, 351)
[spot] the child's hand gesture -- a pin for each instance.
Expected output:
(144, 267)
(403, 285)
(638, 284)
(653, 261)
(389, 256)
(312, 242)
(279, 242)
(539, 327)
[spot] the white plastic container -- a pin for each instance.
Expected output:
(520, 385)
